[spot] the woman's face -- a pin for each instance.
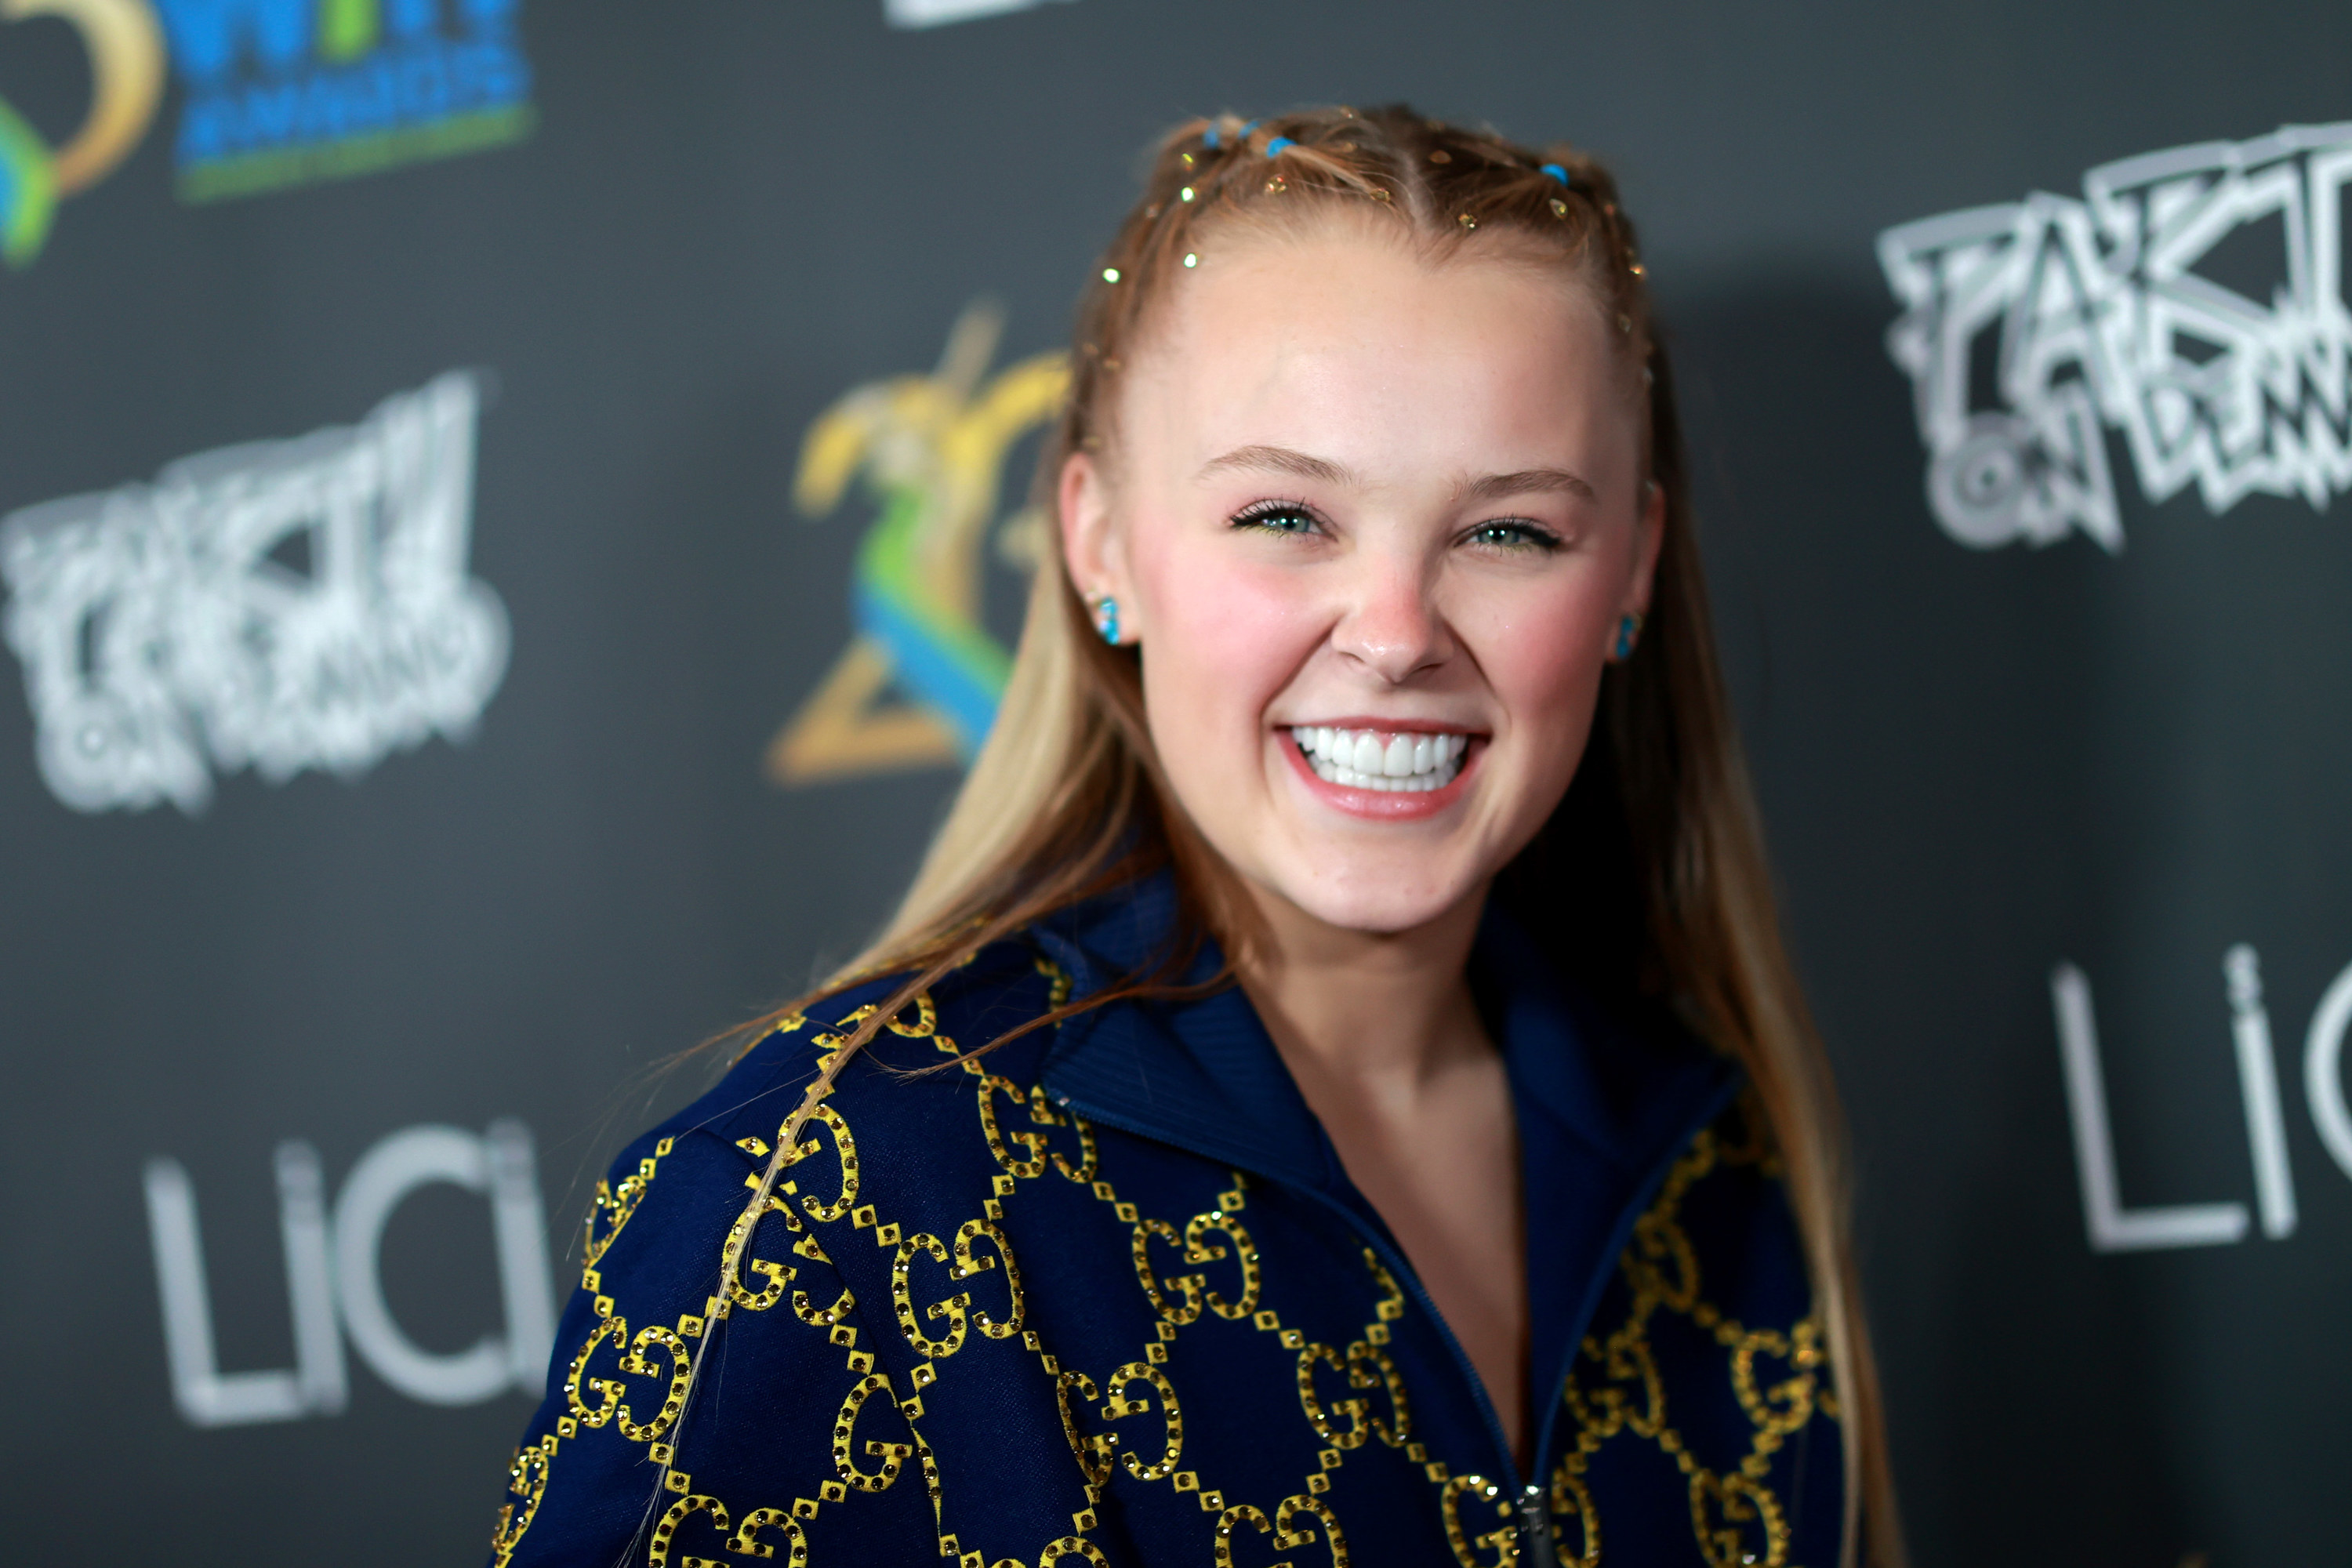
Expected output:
(1374, 521)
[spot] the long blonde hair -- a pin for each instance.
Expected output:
(1066, 798)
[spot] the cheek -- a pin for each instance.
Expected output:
(1223, 635)
(1542, 658)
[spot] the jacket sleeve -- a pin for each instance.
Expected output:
(684, 1419)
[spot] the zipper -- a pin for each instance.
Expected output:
(1536, 1548)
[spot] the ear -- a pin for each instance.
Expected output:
(1649, 537)
(1093, 545)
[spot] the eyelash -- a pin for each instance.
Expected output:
(1261, 515)
(1265, 515)
(1532, 536)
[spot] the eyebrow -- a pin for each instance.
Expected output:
(1526, 482)
(1279, 460)
(1303, 466)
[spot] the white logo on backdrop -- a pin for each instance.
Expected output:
(335, 1286)
(281, 606)
(938, 13)
(2112, 1228)
(2034, 327)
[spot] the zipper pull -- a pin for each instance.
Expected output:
(1535, 1549)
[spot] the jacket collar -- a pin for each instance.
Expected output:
(1201, 1075)
(1205, 1075)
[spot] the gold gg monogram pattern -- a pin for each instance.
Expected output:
(1616, 1393)
(947, 1287)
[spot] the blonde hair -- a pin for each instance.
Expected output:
(1066, 798)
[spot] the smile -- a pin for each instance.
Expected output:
(1397, 762)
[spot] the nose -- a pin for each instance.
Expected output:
(1391, 628)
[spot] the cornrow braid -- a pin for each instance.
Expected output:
(1441, 184)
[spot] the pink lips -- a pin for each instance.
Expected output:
(1383, 806)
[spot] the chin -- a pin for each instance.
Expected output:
(1375, 903)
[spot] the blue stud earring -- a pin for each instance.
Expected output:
(1628, 632)
(1107, 619)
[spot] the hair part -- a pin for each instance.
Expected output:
(1067, 799)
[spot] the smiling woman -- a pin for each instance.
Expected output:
(1342, 1025)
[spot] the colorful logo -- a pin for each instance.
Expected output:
(285, 92)
(126, 68)
(918, 685)
(280, 92)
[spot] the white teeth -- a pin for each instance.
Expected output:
(1389, 760)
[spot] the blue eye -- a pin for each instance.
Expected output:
(1514, 536)
(1278, 517)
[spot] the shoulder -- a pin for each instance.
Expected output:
(994, 993)
(659, 1265)
(696, 1162)
(678, 1187)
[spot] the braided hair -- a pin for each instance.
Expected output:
(1439, 184)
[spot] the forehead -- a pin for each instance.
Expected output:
(1340, 333)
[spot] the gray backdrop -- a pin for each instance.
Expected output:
(384, 809)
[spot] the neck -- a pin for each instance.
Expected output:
(1391, 1010)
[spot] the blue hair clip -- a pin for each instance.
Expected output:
(1209, 135)
(1275, 147)
(1556, 173)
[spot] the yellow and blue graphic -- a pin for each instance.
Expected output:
(279, 93)
(126, 71)
(284, 92)
(919, 683)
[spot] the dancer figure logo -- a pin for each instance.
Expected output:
(931, 449)
(2128, 311)
(282, 605)
(126, 72)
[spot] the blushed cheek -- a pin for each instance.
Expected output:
(1225, 638)
(1544, 667)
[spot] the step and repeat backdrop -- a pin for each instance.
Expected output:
(440, 444)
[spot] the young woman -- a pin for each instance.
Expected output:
(1335, 1091)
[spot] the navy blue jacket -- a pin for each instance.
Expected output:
(1106, 1297)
